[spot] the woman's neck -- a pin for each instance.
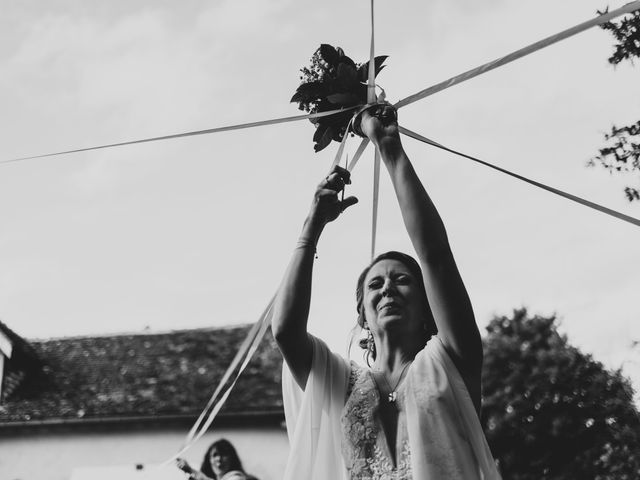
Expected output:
(390, 358)
(395, 349)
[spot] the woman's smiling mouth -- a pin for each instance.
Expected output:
(389, 306)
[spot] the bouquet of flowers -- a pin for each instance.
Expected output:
(333, 81)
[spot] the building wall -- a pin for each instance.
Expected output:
(91, 455)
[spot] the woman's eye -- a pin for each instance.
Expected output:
(403, 279)
(374, 285)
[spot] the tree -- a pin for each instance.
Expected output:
(622, 150)
(551, 412)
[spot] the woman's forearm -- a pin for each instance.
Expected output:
(291, 308)
(421, 218)
(448, 297)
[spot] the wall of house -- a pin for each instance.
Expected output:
(73, 455)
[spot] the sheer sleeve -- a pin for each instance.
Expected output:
(313, 417)
(445, 434)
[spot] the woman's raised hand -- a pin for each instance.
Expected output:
(380, 124)
(326, 205)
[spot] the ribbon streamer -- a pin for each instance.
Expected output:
(376, 197)
(358, 154)
(371, 98)
(246, 351)
(261, 123)
(569, 196)
(244, 347)
(628, 8)
(264, 324)
(343, 142)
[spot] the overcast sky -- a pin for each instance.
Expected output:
(197, 232)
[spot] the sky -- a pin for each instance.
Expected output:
(197, 232)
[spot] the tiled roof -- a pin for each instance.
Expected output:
(145, 375)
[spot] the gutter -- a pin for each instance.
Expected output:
(260, 417)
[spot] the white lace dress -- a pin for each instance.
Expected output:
(365, 450)
(335, 431)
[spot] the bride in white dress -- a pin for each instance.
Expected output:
(414, 413)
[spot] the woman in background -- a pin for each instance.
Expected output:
(220, 462)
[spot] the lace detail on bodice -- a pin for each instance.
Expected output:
(364, 445)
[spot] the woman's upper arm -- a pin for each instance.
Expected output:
(452, 311)
(297, 352)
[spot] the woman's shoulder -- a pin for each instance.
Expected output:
(432, 354)
(326, 359)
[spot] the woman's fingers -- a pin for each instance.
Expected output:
(337, 178)
(347, 202)
(330, 205)
(327, 206)
(333, 182)
(379, 122)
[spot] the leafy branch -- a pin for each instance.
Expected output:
(622, 153)
(627, 34)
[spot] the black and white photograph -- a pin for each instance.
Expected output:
(279, 240)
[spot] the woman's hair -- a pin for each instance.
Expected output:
(416, 271)
(224, 447)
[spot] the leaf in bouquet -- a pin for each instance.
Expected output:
(363, 70)
(324, 140)
(345, 59)
(347, 75)
(338, 123)
(320, 131)
(324, 105)
(344, 99)
(308, 91)
(329, 53)
(339, 134)
(361, 92)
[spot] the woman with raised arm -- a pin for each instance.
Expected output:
(413, 414)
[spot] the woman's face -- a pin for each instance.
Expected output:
(220, 462)
(392, 299)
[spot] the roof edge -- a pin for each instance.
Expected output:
(144, 419)
(143, 333)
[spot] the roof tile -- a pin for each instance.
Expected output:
(143, 375)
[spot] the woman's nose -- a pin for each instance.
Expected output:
(387, 287)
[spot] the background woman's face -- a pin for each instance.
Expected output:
(220, 462)
(392, 298)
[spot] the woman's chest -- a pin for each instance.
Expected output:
(374, 431)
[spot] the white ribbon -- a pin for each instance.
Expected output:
(228, 128)
(569, 196)
(628, 8)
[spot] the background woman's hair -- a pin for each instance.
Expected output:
(416, 271)
(224, 447)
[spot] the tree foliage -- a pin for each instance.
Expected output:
(551, 412)
(622, 152)
(627, 34)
